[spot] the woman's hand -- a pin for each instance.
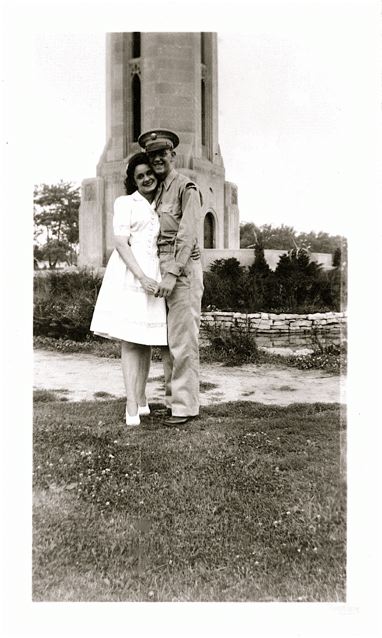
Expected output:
(149, 285)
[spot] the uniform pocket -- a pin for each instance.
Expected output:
(168, 219)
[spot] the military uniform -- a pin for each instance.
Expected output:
(178, 204)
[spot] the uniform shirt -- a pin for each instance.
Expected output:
(178, 204)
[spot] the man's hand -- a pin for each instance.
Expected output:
(166, 286)
(195, 254)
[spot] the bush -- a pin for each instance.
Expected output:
(331, 357)
(225, 285)
(298, 285)
(64, 303)
(232, 347)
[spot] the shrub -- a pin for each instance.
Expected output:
(64, 303)
(232, 347)
(330, 357)
(225, 285)
(298, 285)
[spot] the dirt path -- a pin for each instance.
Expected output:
(83, 377)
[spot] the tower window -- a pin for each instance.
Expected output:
(136, 94)
(203, 48)
(136, 44)
(203, 112)
(209, 231)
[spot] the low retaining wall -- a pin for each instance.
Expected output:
(274, 329)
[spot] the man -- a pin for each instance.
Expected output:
(178, 204)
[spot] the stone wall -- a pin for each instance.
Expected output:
(271, 328)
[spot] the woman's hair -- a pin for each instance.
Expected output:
(134, 161)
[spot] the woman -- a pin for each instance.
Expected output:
(126, 307)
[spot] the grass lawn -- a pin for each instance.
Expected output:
(247, 503)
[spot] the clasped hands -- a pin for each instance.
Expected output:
(165, 287)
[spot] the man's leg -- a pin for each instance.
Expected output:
(183, 319)
(167, 370)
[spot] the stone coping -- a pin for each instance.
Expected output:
(272, 322)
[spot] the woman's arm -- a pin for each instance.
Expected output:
(124, 249)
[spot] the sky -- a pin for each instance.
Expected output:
(290, 91)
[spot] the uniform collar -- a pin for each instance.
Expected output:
(169, 179)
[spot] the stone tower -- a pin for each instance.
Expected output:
(160, 80)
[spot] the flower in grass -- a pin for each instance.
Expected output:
(107, 503)
(299, 550)
(315, 549)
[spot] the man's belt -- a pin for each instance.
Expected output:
(168, 249)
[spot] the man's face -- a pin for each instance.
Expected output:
(161, 162)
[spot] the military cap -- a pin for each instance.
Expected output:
(158, 139)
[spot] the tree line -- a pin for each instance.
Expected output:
(287, 238)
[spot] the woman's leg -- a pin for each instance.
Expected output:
(131, 363)
(143, 374)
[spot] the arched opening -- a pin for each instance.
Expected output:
(203, 112)
(203, 47)
(209, 231)
(136, 93)
(136, 44)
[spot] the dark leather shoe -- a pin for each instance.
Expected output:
(177, 420)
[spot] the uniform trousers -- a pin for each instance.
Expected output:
(181, 357)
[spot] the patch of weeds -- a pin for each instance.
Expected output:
(232, 347)
(205, 386)
(330, 357)
(103, 395)
(44, 396)
(106, 348)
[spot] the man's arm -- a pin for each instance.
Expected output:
(188, 228)
(185, 238)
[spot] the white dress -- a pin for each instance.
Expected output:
(123, 309)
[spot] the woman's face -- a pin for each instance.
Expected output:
(145, 179)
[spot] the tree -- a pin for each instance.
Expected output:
(56, 209)
(248, 235)
(260, 266)
(336, 261)
(285, 238)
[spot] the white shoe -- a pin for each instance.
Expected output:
(143, 409)
(132, 420)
